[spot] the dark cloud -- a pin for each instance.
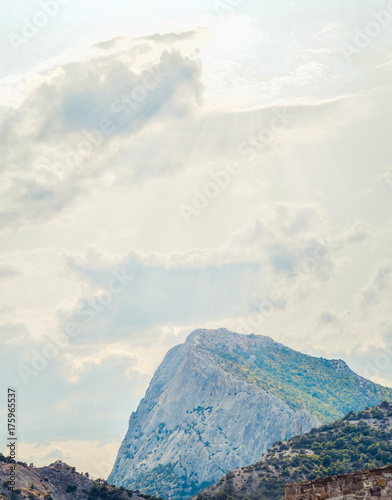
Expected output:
(58, 157)
(109, 44)
(172, 37)
(7, 271)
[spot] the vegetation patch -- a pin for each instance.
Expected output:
(359, 441)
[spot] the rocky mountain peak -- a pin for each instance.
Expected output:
(220, 400)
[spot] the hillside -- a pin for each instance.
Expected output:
(327, 389)
(360, 441)
(220, 400)
(58, 481)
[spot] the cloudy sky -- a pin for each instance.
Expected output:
(173, 165)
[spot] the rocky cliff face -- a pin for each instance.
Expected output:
(217, 402)
(360, 441)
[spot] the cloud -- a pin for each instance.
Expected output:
(80, 381)
(379, 284)
(131, 116)
(13, 333)
(109, 44)
(172, 37)
(97, 109)
(177, 294)
(287, 250)
(7, 271)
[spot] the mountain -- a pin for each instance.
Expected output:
(58, 481)
(360, 441)
(220, 400)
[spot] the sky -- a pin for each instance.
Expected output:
(167, 166)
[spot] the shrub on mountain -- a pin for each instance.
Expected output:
(338, 448)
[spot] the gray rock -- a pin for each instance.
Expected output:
(200, 421)
(220, 400)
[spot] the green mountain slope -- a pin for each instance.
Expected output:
(328, 389)
(220, 400)
(361, 440)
